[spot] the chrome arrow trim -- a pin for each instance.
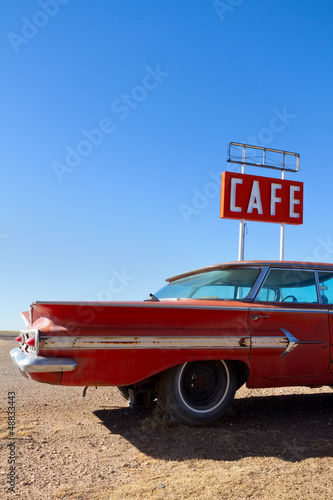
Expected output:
(294, 342)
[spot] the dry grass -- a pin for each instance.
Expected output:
(251, 478)
(274, 444)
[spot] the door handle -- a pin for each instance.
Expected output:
(258, 317)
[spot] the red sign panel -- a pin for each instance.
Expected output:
(263, 199)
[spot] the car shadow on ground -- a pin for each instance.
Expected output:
(289, 427)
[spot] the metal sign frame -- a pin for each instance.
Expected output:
(237, 154)
(267, 158)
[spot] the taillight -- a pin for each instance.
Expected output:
(31, 342)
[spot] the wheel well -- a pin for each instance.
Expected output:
(243, 373)
(152, 383)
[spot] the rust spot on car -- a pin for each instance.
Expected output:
(124, 343)
(244, 342)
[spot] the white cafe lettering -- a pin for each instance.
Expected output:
(255, 198)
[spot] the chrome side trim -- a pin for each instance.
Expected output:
(29, 363)
(287, 342)
(269, 342)
(126, 342)
(181, 304)
(276, 308)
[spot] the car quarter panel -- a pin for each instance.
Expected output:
(123, 343)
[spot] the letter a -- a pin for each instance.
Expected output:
(16, 40)
(221, 8)
(255, 199)
(60, 169)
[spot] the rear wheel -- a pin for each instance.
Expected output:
(123, 390)
(198, 392)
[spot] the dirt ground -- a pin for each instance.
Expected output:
(273, 444)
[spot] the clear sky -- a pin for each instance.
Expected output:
(115, 121)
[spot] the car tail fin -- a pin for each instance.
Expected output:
(25, 316)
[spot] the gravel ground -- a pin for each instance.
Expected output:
(273, 444)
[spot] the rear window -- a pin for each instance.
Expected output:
(223, 284)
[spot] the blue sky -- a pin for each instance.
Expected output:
(115, 121)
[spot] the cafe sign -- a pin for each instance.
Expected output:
(262, 199)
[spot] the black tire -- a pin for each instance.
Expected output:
(199, 392)
(124, 392)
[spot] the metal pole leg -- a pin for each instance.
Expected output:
(282, 233)
(241, 239)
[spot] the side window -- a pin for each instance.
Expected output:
(267, 295)
(288, 285)
(326, 287)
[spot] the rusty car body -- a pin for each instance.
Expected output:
(195, 342)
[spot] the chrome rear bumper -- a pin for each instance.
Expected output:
(30, 363)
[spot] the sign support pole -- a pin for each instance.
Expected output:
(282, 231)
(283, 227)
(265, 158)
(241, 239)
(242, 223)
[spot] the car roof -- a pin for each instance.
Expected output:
(256, 263)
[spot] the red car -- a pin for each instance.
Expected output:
(195, 342)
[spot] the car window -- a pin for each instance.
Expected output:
(227, 292)
(326, 287)
(229, 283)
(268, 295)
(288, 285)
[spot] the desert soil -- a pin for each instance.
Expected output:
(273, 444)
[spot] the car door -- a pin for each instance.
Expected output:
(289, 326)
(325, 278)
